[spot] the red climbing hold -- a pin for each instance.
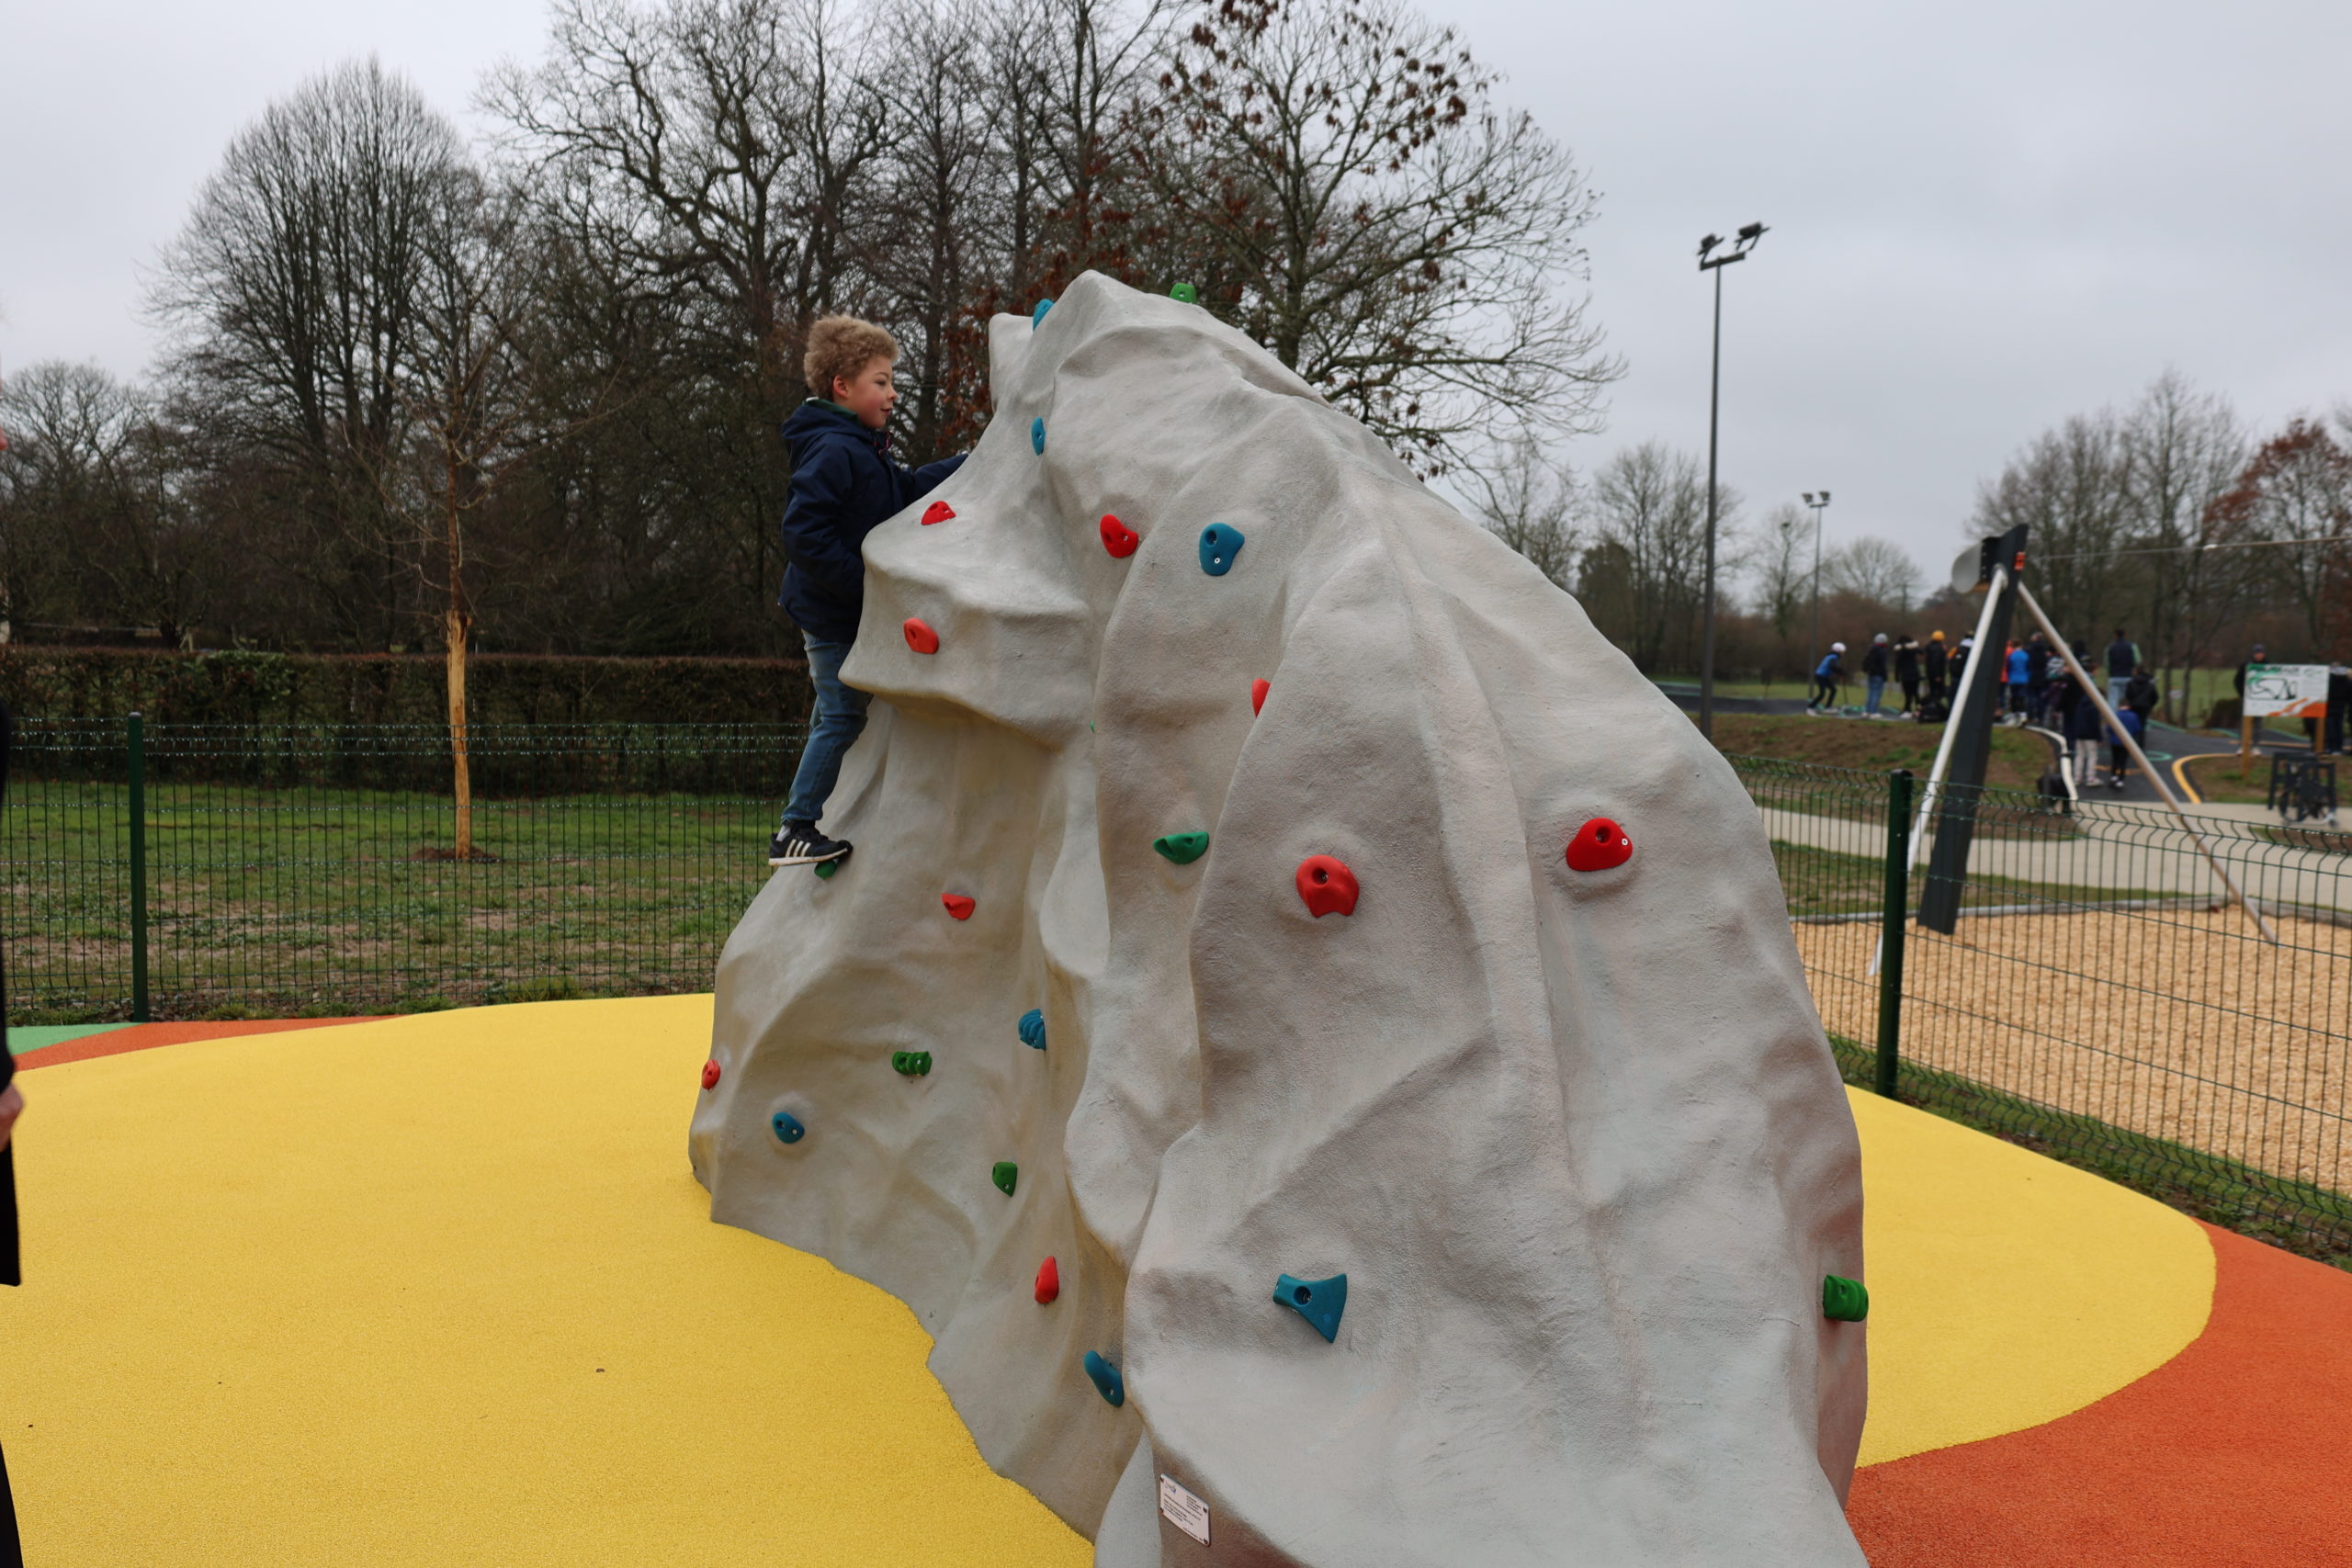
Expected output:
(1598, 845)
(920, 637)
(710, 1074)
(1118, 538)
(937, 511)
(1258, 690)
(1328, 885)
(1049, 1281)
(959, 906)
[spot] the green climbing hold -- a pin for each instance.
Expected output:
(1184, 293)
(825, 869)
(1844, 1300)
(1182, 848)
(914, 1064)
(1006, 1176)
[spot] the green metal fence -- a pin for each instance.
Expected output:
(2100, 995)
(185, 871)
(2097, 995)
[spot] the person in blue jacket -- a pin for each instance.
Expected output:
(843, 483)
(2020, 664)
(1826, 677)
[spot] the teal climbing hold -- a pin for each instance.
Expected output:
(914, 1064)
(1006, 1176)
(788, 1129)
(1844, 1300)
(1032, 1029)
(1220, 542)
(1321, 1302)
(825, 869)
(1037, 434)
(1184, 293)
(1182, 849)
(1038, 315)
(1106, 1380)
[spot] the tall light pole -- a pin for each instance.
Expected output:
(1813, 656)
(1745, 242)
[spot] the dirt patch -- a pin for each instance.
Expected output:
(2184, 1025)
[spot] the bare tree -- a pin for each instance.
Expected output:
(2069, 487)
(1642, 578)
(1371, 215)
(1876, 570)
(1529, 500)
(2182, 451)
(1784, 569)
(293, 295)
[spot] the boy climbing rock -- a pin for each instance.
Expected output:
(843, 483)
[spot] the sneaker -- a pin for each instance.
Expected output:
(799, 843)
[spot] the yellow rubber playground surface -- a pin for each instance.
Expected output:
(439, 1290)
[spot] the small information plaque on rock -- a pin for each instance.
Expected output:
(1183, 1510)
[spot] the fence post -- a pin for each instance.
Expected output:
(1894, 917)
(138, 869)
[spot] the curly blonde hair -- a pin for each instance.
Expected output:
(841, 347)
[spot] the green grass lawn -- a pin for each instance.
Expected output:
(266, 902)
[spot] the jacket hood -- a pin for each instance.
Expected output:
(816, 418)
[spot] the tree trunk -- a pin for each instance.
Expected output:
(458, 625)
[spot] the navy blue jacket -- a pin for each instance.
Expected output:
(843, 483)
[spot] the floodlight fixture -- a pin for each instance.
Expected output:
(1708, 261)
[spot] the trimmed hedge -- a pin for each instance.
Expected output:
(396, 688)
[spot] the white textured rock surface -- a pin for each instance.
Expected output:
(1575, 1138)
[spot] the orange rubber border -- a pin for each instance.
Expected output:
(141, 1036)
(2237, 1452)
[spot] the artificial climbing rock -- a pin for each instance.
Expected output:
(958, 907)
(786, 1127)
(920, 637)
(710, 1074)
(937, 511)
(1598, 845)
(1844, 1300)
(1049, 1282)
(1630, 1056)
(1032, 1029)
(1106, 1380)
(1220, 542)
(1037, 434)
(1321, 1302)
(910, 1064)
(1328, 885)
(1118, 538)
(1183, 849)
(1258, 690)
(1006, 1175)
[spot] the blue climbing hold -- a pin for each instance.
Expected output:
(1038, 315)
(1037, 434)
(1220, 542)
(1321, 1302)
(1032, 1029)
(1107, 1381)
(788, 1129)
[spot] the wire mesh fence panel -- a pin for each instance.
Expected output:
(2101, 992)
(316, 871)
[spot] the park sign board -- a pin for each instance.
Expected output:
(2286, 691)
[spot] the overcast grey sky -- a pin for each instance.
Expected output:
(1980, 223)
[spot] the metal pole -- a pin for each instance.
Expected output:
(2140, 758)
(138, 739)
(1813, 658)
(1892, 919)
(1707, 629)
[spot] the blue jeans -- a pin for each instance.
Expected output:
(1878, 690)
(839, 718)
